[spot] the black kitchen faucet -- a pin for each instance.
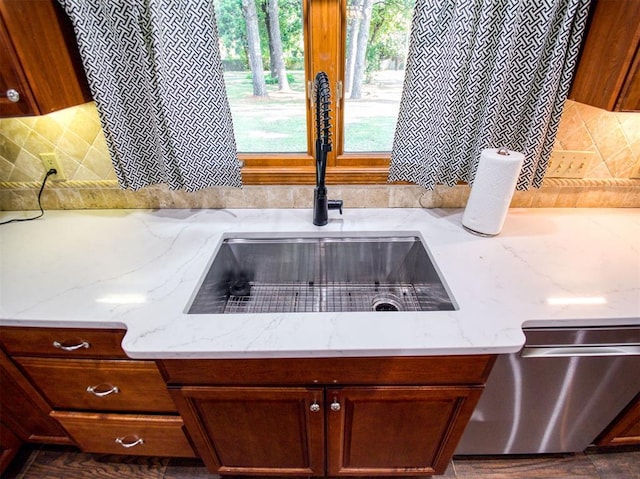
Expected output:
(322, 205)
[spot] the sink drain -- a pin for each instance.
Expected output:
(386, 303)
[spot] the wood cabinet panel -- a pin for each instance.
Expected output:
(127, 434)
(24, 410)
(9, 446)
(65, 383)
(12, 77)
(395, 430)
(63, 342)
(433, 370)
(607, 74)
(625, 429)
(256, 430)
(42, 39)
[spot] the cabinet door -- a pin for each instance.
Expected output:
(253, 430)
(13, 81)
(395, 430)
(625, 429)
(42, 39)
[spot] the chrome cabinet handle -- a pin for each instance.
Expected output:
(335, 405)
(315, 407)
(96, 392)
(82, 344)
(13, 95)
(138, 441)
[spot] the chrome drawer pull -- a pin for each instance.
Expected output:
(83, 344)
(335, 405)
(95, 390)
(138, 441)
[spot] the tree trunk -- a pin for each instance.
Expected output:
(253, 44)
(276, 45)
(352, 43)
(272, 55)
(361, 53)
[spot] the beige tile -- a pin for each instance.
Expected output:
(545, 197)
(522, 199)
(85, 174)
(631, 198)
(84, 126)
(404, 196)
(5, 169)
(612, 142)
(375, 197)
(9, 151)
(621, 164)
(567, 197)
(27, 168)
(48, 128)
(69, 165)
(73, 146)
(578, 139)
(15, 130)
(36, 144)
(590, 114)
(97, 162)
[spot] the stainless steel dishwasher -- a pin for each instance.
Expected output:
(558, 393)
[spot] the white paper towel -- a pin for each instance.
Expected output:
(492, 191)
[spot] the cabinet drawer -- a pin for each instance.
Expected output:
(404, 370)
(68, 384)
(126, 434)
(63, 342)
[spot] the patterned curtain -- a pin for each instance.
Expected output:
(484, 74)
(155, 73)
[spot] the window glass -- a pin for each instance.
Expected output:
(376, 49)
(262, 48)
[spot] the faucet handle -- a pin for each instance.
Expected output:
(335, 205)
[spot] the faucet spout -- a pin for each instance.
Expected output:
(322, 205)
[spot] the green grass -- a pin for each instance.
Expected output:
(278, 123)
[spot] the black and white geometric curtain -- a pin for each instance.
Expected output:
(155, 72)
(484, 74)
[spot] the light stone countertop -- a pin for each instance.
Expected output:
(138, 269)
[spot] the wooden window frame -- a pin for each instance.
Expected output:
(324, 38)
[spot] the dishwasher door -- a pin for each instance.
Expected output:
(558, 393)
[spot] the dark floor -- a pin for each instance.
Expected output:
(46, 462)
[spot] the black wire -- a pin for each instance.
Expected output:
(44, 182)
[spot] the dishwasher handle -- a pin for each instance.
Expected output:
(580, 351)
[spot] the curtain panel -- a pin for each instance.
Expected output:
(155, 72)
(484, 74)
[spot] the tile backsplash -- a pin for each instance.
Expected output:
(74, 134)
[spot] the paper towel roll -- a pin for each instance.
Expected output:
(492, 191)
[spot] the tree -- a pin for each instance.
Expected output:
(361, 50)
(275, 45)
(352, 42)
(254, 48)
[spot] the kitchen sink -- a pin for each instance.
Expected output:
(256, 273)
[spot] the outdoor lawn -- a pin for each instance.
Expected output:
(278, 123)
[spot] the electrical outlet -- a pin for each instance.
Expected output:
(570, 164)
(635, 172)
(50, 161)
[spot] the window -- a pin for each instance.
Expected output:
(360, 44)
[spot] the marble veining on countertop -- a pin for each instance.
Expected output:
(138, 269)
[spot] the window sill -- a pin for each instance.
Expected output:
(338, 175)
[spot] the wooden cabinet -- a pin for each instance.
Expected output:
(316, 417)
(9, 446)
(39, 60)
(625, 429)
(23, 409)
(85, 376)
(608, 72)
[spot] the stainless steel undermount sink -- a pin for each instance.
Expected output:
(258, 273)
